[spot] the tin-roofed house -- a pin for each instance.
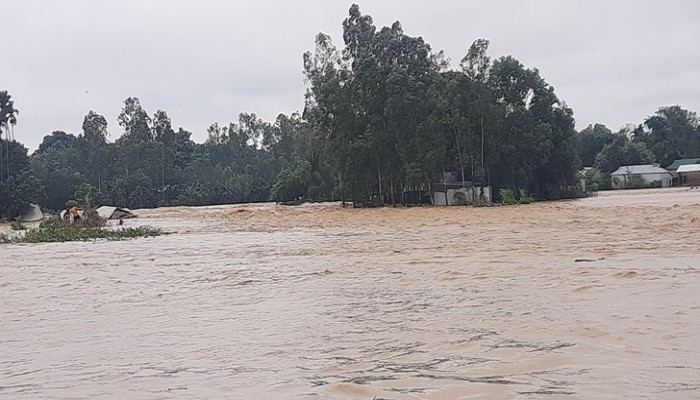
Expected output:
(640, 176)
(688, 174)
(673, 168)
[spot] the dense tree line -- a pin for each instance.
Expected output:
(151, 164)
(385, 117)
(394, 116)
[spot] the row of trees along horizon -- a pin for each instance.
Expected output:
(384, 117)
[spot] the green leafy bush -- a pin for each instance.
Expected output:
(525, 197)
(507, 196)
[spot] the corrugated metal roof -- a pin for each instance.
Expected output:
(683, 161)
(689, 168)
(639, 170)
(111, 212)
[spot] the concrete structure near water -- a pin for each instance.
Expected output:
(453, 191)
(446, 194)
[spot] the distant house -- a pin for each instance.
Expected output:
(673, 168)
(639, 176)
(688, 174)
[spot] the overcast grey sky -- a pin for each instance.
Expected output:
(612, 62)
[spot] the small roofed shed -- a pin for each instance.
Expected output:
(111, 212)
(638, 176)
(689, 174)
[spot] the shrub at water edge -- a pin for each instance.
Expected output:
(59, 231)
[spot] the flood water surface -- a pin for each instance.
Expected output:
(595, 298)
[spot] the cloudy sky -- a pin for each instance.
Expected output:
(613, 62)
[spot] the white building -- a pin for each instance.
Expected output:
(638, 176)
(451, 190)
(447, 194)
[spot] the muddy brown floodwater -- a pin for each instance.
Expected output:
(593, 299)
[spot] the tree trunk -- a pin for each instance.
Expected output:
(444, 185)
(1, 144)
(379, 182)
(475, 199)
(483, 134)
(461, 164)
(162, 172)
(393, 201)
(7, 159)
(403, 193)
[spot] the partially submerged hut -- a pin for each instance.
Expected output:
(34, 214)
(111, 212)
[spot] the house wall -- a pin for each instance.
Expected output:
(675, 178)
(620, 181)
(439, 198)
(689, 178)
(664, 178)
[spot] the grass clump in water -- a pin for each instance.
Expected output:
(60, 231)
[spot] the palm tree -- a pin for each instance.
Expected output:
(8, 116)
(8, 113)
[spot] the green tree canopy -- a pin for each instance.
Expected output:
(622, 151)
(671, 133)
(591, 141)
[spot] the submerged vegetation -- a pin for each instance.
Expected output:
(507, 197)
(385, 118)
(18, 224)
(59, 231)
